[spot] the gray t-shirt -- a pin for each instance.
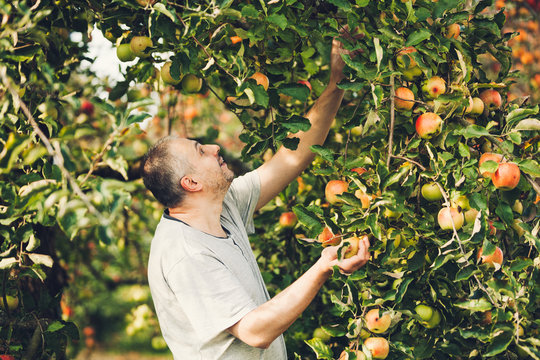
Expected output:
(201, 284)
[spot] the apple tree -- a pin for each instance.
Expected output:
(454, 263)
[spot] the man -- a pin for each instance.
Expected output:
(208, 292)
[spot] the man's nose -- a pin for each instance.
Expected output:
(215, 149)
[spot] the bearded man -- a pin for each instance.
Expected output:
(207, 289)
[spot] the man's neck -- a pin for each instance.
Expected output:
(200, 215)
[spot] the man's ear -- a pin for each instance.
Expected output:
(189, 184)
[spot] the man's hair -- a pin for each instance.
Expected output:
(162, 170)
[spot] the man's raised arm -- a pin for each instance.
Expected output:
(287, 164)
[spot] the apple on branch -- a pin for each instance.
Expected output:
(327, 237)
(431, 192)
(434, 87)
(166, 74)
(494, 259)
(376, 323)
(475, 107)
(488, 157)
(428, 125)
(261, 79)
(450, 217)
(491, 98)
(334, 188)
(378, 346)
(404, 98)
(140, 44)
(506, 177)
(288, 220)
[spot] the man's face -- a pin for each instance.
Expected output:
(208, 166)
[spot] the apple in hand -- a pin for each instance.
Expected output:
(431, 192)
(334, 188)
(434, 87)
(495, 258)
(491, 98)
(506, 177)
(404, 99)
(428, 125)
(288, 220)
(449, 215)
(376, 323)
(378, 346)
(353, 246)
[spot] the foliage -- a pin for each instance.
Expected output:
(70, 194)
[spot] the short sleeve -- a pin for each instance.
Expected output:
(210, 295)
(244, 193)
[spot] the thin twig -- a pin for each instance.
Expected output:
(409, 160)
(392, 117)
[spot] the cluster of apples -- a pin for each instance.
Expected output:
(376, 322)
(429, 124)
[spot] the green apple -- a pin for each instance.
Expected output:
(191, 83)
(431, 192)
(424, 311)
(166, 74)
(12, 302)
(434, 320)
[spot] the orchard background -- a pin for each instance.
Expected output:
(76, 221)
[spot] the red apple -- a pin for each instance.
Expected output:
(288, 220)
(506, 177)
(404, 99)
(334, 188)
(327, 238)
(447, 215)
(434, 87)
(353, 246)
(452, 31)
(359, 170)
(7, 357)
(491, 98)
(87, 107)
(495, 258)
(378, 347)
(489, 157)
(261, 79)
(428, 125)
(364, 198)
(376, 323)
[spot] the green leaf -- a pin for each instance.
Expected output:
(489, 166)
(41, 259)
(320, 348)
(279, 20)
(374, 226)
(466, 272)
(473, 131)
(464, 150)
(475, 305)
(342, 4)
(159, 7)
(323, 152)
(505, 212)
(55, 326)
(499, 343)
(519, 114)
(528, 124)
(7, 263)
(296, 123)
(137, 118)
(530, 167)
(417, 37)
(260, 95)
(309, 219)
(291, 143)
(297, 91)
(478, 201)
(520, 264)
